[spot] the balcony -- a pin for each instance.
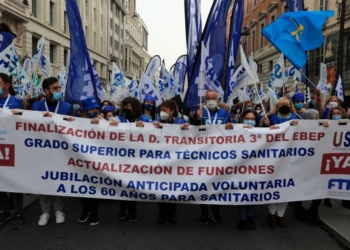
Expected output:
(15, 8)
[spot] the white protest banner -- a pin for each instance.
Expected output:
(322, 84)
(241, 166)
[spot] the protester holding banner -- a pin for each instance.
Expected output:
(312, 213)
(108, 112)
(90, 110)
(131, 111)
(282, 112)
(9, 101)
(149, 108)
(211, 114)
(246, 212)
(298, 102)
(53, 104)
(168, 115)
(7, 94)
(76, 110)
(338, 113)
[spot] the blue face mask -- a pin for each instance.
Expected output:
(76, 106)
(1, 91)
(92, 115)
(337, 117)
(56, 96)
(117, 107)
(250, 123)
(250, 108)
(299, 105)
(148, 106)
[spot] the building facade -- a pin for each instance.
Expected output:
(136, 43)
(260, 13)
(104, 24)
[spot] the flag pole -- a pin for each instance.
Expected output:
(307, 78)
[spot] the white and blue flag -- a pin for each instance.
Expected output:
(9, 60)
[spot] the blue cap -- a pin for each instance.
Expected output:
(149, 98)
(90, 103)
(108, 109)
(298, 97)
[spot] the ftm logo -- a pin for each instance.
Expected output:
(7, 155)
(340, 184)
(336, 164)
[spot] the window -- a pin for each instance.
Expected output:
(347, 7)
(95, 40)
(247, 12)
(52, 53)
(34, 10)
(116, 45)
(255, 3)
(347, 58)
(51, 13)
(101, 20)
(34, 45)
(110, 41)
(65, 57)
(86, 7)
(273, 18)
(323, 4)
(86, 34)
(270, 65)
(261, 36)
(253, 41)
(95, 16)
(111, 23)
(65, 22)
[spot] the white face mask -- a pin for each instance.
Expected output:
(164, 116)
(110, 119)
(333, 104)
(211, 104)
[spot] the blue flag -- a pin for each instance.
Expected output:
(214, 40)
(193, 31)
(179, 71)
(6, 38)
(235, 36)
(295, 5)
(82, 81)
(295, 33)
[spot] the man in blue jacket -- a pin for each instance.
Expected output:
(53, 104)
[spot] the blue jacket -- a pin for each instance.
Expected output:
(274, 119)
(64, 108)
(221, 117)
(143, 118)
(13, 103)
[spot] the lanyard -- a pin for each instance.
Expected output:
(57, 105)
(209, 117)
(7, 100)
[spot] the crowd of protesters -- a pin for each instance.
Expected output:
(131, 110)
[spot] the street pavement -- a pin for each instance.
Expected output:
(146, 234)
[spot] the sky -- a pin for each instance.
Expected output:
(165, 21)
